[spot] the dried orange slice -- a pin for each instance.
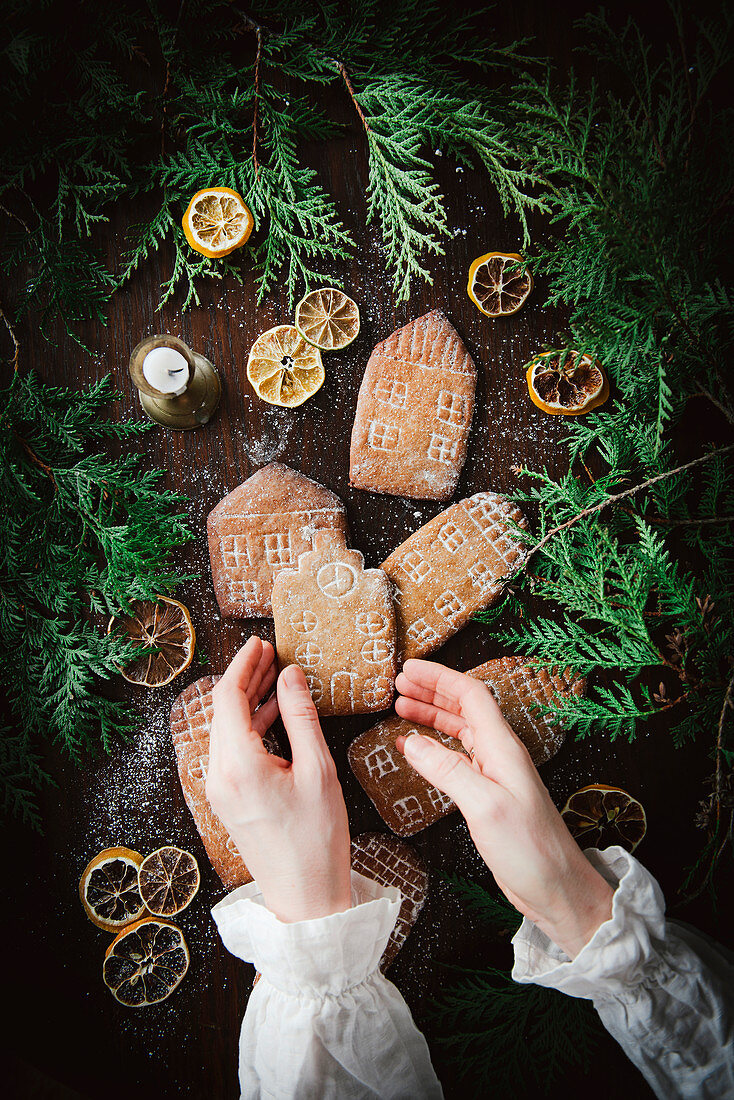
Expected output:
(216, 222)
(284, 368)
(564, 383)
(145, 963)
(599, 815)
(164, 628)
(168, 880)
(109, 890)
(499, 283)
(328, 319)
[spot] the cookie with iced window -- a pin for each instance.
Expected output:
(336, 620)
(453, 567)
(414, 412)
(392, 862)
(261, 527)
(405, 801)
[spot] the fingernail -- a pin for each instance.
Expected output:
(415, 746)
(290, 676)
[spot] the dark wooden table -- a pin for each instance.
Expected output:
(65, 1030)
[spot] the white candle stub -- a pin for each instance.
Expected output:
(166, 370)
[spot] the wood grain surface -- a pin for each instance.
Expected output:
(65, 1026)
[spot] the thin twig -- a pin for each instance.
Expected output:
(251, 25)
(619, 496)
(14, 338)
(352, 94)
(728, 702)
(34, 457)
(728, 413)
(686, 522)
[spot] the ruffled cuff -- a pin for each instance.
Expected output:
(623, 951)
(311, 957)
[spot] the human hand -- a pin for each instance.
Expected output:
(517, 829)
(289, 821)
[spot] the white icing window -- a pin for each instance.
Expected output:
(304, 622)
(382, 437)
(315, 686)
(198, 770)
(449, 605)
(243, 590)
(377, 690)
(308, 655)
(422, 632)
(380, 762)
(278, 548)
(442, 449)
(450, 407)
(481, 576)
(439, 800)
(391, 393)
(376, 651)
(409, 810)
(370, 623)
(234, 551)
(451, 537)
(415, 566)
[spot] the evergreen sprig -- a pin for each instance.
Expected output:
(81, 535)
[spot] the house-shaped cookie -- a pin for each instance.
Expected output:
(414, 412)
(335, 619)
(261, 527)
(392, 862)
(453, 567)
(405, 801)
(191, 722)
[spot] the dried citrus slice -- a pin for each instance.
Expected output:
(145, 963)
(216, 222)
(284, 368)
(109, 891)
(168, 880)
(328, 319)
(164, 628)
(599, 815)
(564, 383)
(499, 283)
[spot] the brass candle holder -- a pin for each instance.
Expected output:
(178, 390)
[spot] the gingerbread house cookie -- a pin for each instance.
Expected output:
(336, 620)
(405, 801)
(261, 527)
(414, 412)
(453, 567)
(191, 720)
(391, 862)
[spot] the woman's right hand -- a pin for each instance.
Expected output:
(516, 827)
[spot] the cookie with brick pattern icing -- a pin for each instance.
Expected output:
(261, 527)
(414, 412)
(453, 567)
(336, 620)
(191, 720)
(392, 862)
(405, 801)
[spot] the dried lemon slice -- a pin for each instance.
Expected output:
(499, 283)
(108, 889)
(564, 383)
(284, 368)
(216, 222)
(145, 963)
(164, 628)
(168, 880)
(328, 319)
(599, 815)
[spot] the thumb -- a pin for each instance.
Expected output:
(299, 715)
(450, 771)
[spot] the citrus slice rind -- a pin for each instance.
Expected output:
(168, 880)
(145, 962)
(328, 319)
(284, 368)
(564, 383)
(499, 283)
(599, 815)
(108, 889)
(164, 628)
(216, 222)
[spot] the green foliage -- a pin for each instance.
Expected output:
(232, 99)
(81, 535)
(639, 586)
(504, 1038)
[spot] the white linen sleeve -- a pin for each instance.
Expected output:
(323, 1023)
(662, 990)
